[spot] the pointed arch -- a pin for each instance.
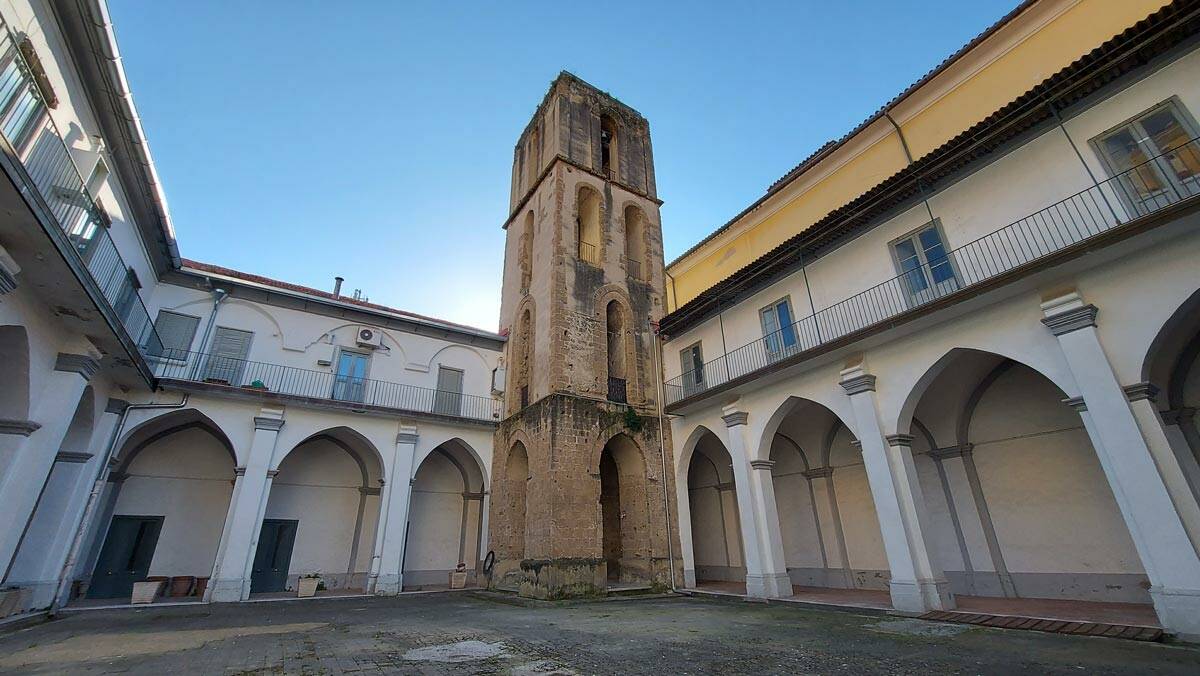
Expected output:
(589, 225)
(159, 427)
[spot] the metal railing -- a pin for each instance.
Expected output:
(587, 252)
(26, 124)
(294, 381)
(617, 390)
(1158, 182)
(634, 268)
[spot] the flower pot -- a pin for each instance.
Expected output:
(10, 600)
(307, 586)
(201, 587)
(181, 585)
(144, 592)
(458, 580)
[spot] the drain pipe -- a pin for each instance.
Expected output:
(93, 502)
(219, 295)
(662, 455)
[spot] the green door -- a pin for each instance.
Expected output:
(125, 557)
(273, 556)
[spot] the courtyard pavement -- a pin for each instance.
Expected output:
(470, 633)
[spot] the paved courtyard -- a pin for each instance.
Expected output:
(466, 633)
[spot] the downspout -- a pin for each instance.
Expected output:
(908, 155)
(219, 295)
(662, 455)
(137, 135)
(93, 501)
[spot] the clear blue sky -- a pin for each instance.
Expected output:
(303, 140)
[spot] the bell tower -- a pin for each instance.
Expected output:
(579, 487)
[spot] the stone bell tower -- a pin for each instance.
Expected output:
(579, 491)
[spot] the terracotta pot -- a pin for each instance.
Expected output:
(201, 587)
(181, 585)
(144, 592)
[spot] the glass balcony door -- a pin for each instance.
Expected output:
(350, 379)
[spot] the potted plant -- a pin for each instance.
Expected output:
(257, 385)
(308, 584)
(458, 579)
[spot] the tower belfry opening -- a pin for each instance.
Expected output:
(583, 281)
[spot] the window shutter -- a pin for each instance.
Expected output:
(225, 361)
(176, 332)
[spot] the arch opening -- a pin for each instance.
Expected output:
(321, 515)
(588, 230)
(624, 511)
(1172, 366)
(1018, 503)
(14, 354)
(445, 517)
(717, 548)
(634, 243)
(165, 506)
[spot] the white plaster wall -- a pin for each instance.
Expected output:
(187, 478)
(793, 498)
(860, 524)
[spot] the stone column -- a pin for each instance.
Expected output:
(1178, 466)
(1157, 530)
(778, 583)
(397, 491)
(683, 507)
(251, 488)
(917, 584)
(28, 448)
(766, 576)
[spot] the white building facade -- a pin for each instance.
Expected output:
(985, 386)
(166, 419)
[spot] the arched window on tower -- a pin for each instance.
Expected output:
(614, 324)
(634, 244)
(588, 226)
(526, 256)
(608, 146)
(524, 356)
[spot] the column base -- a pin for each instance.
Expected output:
(228, 590)
(1178, 610)
(921, 596)
(689, 578)
(388, 584)
(772, 586)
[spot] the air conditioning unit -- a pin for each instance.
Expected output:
(369, 337)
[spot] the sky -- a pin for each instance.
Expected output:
(303, 140)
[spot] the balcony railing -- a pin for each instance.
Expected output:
(1159, 182)
(51, 172)
(254, 376)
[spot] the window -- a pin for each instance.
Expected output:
(779, 331)
(588, 226)
(350, 379)
(925, 269)
(448, 398)
(526, 257)
(614, 323)
(691, 363)
(608, 146)
(176, 331)
(1152, 156)
(20, 107)
(633, 241)
(226, 358)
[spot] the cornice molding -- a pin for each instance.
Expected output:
(268, 424)
(736, 418)
(1072, 320)
(1140, 391)
(858, 384)
(762, 464)
(21, 427)
(77, 363)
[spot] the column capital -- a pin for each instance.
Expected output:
(72, 456)
(21, 427)
(240, 470)
(1140, 391)
(272, 473)
(82, 364)
(899, 440)
(363, 490)
(116, 406)
(818, 473)
(407, 435)
(856, 381)
(962, 450)
(8, 272)
(1076, 403)
(855, 443)
(762, 464)
(1067, 313)
(268, 424)
(735, 418)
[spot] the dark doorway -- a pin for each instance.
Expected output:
(610, 513)
(273, 556)
(125, 557)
